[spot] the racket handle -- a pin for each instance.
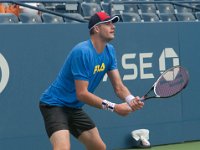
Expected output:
(142, 99)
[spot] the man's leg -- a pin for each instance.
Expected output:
(92, 140)
(60, 140)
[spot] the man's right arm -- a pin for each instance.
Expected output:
(85, 96)
(91, 99)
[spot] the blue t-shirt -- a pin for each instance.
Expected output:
(82, 63)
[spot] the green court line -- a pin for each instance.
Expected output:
(195, 145)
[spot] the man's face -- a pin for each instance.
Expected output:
(107, 31)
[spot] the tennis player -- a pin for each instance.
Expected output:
(61, 103)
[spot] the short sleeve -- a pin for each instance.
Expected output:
(79, 67)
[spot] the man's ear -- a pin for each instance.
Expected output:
(96, 28)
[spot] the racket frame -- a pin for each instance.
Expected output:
(145, 97)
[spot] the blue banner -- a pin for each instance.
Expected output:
(31, 56)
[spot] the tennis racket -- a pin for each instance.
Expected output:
(170, 83)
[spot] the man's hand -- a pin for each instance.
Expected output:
(136, 104)
(122, 109)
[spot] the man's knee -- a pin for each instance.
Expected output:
(61, 147)
(103, 146)
(60, 140)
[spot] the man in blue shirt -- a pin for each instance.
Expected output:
(61, 103)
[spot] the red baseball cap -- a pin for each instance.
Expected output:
(101, 17)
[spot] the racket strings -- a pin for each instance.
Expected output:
(171, 82)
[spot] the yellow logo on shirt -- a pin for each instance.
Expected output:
(99, 68)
